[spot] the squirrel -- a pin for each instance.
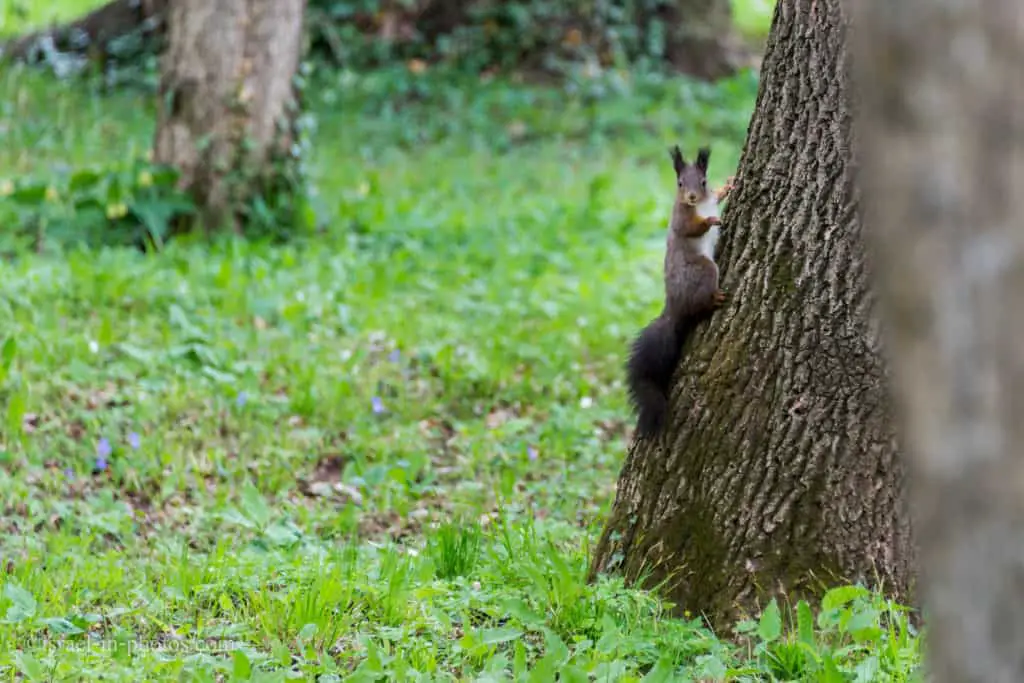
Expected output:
(691, 291)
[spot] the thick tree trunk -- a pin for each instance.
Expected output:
(779, 470)
(943, 93)
(227, 100)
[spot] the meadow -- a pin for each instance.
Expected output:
(382, 452)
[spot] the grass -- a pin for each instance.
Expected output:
(382, 454)
(19, 15)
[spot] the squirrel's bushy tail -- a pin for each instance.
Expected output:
(649, 370)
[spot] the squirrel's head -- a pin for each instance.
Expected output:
(691, 179)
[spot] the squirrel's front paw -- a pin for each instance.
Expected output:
(711, 221)
(718, 298)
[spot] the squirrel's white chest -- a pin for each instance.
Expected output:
(709, 240)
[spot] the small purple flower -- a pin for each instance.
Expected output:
(242, 398)
(378, 405)
(103, 451)
(395, 356)
(134, 441)
(69, 473)
(531, 453)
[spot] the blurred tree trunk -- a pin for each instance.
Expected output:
(779, 469)
(702, 41)
(943, 93)
(227, 99)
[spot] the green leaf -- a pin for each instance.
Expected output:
(805, 623)
(16, 411)
(30, 667)
(115, 192)
(61, 626)
(712, 667)
(544, 669)
(218, 376)
(143, 356)
(573, 674)
(660, 672)
(233, 515)
(493, 636)
(30, 195)
(7, 353)
(23, 605)
(241, 669)
(83, 180)
(555, 647)
(254, 506)
(518, 609)
(830, 672)
(837, 597)
(867, 670)
(769, 628)
(519, 659)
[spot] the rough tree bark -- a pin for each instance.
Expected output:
(943, 93)
(227, 101)
(779, 470)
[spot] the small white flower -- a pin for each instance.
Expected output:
(586, 402)
(94, 346)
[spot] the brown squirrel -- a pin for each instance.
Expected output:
(691, 291)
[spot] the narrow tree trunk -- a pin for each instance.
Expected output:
(943, 93)
(227, 98)
(779, 470)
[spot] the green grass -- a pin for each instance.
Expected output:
(19, 15)
(383, 454)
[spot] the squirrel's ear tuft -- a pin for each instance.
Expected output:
(703, 154)
(677, 159)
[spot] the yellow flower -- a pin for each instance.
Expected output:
(115, 211)
(145, 179)
(51, 194)
(6, 188)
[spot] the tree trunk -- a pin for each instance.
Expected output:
(227, 100)
(943, 94)
(702, 41)
(779, 468)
